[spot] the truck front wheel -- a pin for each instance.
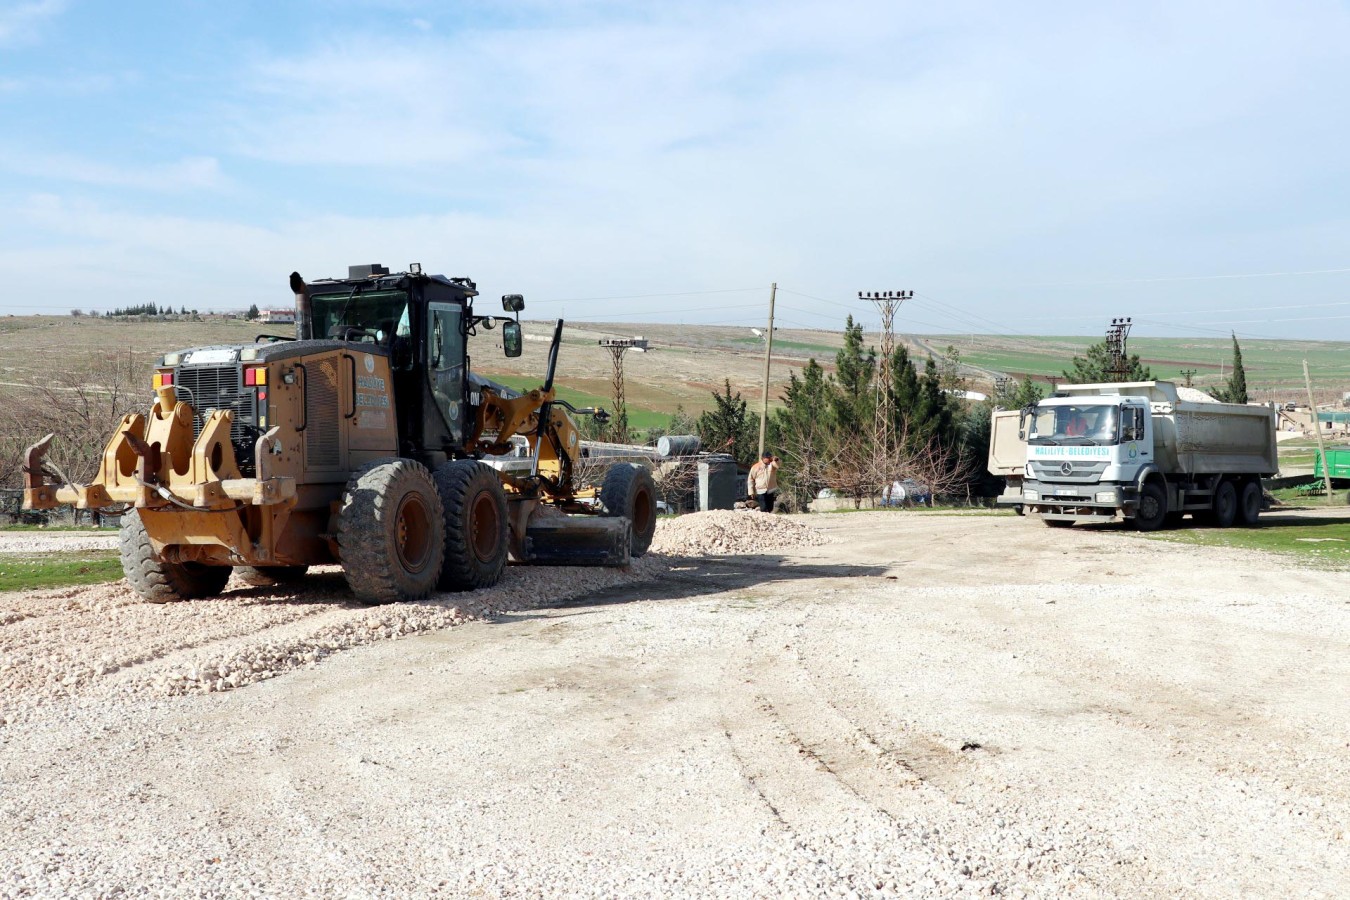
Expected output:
(1152, 512)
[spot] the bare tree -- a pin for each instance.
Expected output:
(81, 406)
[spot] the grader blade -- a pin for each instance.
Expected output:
(577, 541)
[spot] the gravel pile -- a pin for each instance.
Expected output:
(724, 532)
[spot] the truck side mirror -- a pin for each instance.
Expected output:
(511, 339)
(513, 302)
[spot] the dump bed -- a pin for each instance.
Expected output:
(1199, 436)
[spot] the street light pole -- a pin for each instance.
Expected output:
(768, 355)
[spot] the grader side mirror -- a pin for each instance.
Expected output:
(511, 339)
(513, 302)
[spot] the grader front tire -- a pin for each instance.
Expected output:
(159, 581)
(477, 537)
(391, 532)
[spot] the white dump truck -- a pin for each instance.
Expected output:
(1145, 451)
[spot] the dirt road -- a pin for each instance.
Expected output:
(926, 706)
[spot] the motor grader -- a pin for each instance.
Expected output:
(359, 441)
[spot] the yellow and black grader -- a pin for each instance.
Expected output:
(359, 441)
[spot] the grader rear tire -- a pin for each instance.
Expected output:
(270, 576)
(629, 491)
(477, 536)
(391, 532)
(163, 582)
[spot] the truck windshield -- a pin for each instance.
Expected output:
(379, 315)
(1080, 424)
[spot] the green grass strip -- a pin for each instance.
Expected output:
(27, 573)
(1325, 542)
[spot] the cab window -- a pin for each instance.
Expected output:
(445, 361)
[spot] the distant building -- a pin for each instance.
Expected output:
(276, 316)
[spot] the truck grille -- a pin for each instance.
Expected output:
(221, 387)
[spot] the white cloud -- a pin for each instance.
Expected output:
(20, 22)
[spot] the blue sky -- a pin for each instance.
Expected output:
(1025, 168)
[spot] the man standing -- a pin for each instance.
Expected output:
(763, 481)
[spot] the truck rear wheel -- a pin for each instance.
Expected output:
(270, 576)
(1152, 512)
(629, 491)
(159, 581)
(1225, 505)
(1249, 503)
(477, 533)
(391, 532)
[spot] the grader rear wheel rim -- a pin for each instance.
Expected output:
(643, 512)
(412, 533)
(484, 527)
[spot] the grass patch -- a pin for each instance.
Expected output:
(638, 418)
(825, 350)
(26, 573)
(1325, 543)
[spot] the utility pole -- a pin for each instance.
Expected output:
(1317, 429)
(617, 347)
(768, 355)
(1116, 337)
(887, 302)
(1188, 374)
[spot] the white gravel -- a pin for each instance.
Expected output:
(28, 542)
(925, 706)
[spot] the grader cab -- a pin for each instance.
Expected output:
(359, 441)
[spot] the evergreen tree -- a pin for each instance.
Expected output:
(933, 417)
(853, 404)
(1235, 391)
(727, 427)
(1095, 367)
(801, 437)
(250, 315)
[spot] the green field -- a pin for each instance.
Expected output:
(638, 418)
(819, 351)
(26, 573)
(1276, 365)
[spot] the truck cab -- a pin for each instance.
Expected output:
(1087, 453)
